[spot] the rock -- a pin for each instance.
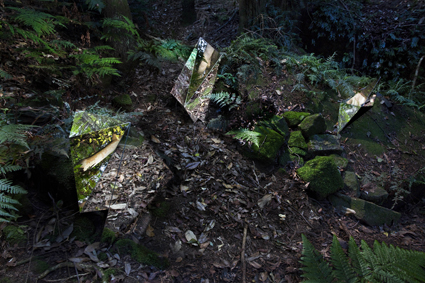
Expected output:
(312, 125)
(270, 143)
(340, 161)
(296, 139)
(294, 118)
(277, 124)
(123, 101)
(323, 145)
(367, 212)
(375, 194)
(323, 175)
(287, 157)
(297, 151)
(352, 183)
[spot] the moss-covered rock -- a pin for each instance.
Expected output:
(297, 151)
(366, 212)
(323, 176)
(375, 194)
(123, 101)
(140, 253)
(312, 125)
(277, 124)
(294, 118)
(294, 155)
(296, 139)
(14, 235)
(351, 183)
(270, 143)
(340, 161)
(323, 145)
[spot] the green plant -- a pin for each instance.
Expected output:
(223, 99)
(246, 135)
(90, 63)
(382, 264)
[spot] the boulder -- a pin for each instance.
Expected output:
(270, 143)
(296, 139)
(340, 161)
(277, 124)
(287, 157)
(323, 145)
(351, 183)
(367, 212)
(312, 125)
(323, 176)
(375, 194)
(294, 118)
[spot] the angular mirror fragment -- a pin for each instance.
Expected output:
(195, 82)
(93, 140)
(349, 108)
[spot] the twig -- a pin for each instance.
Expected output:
(65, 264)
(231, 18)
(245, 230)
(416, 73)
(63, 279)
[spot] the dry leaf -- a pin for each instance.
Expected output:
(155, 139)
(149, 231)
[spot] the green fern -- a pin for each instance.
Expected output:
(41, 23)
(247, 135)
(90, 63)
(225, 99)
(14, 134)
(123, 24)
(316, 269)
(382, 264)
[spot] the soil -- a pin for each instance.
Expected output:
(247, 217)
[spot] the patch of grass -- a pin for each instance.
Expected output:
(140, 253)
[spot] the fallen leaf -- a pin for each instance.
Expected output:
(192, 165)
(65, 234)
(127, 268)
(191, 237)
(255, 264)
(155, 139)
(216, 140)
(118, 206)
(264, 201)
(149, 231)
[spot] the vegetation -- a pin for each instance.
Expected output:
(382, 264)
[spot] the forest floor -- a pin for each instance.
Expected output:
(248, 218)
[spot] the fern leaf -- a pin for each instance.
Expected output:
(9, 168)
(5, 214)
(14, 133)
(342, 269)
(247, 135)
(316, 269)
(41, 23)
(6, 186)
(358, 262)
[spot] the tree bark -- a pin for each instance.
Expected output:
(249, 10)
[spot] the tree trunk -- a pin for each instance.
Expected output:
(249, 10)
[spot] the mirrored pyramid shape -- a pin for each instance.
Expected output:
(93, 140)
(350, 109)
(196, 81)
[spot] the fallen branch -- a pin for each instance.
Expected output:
(245, 230)
(86, 267)
(64, 279)
(416, 73)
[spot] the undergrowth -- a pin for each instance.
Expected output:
(383, 263)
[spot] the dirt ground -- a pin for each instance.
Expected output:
(247, 217)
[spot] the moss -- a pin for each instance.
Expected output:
(108, 236)
(270, 143)
(297, 151)
(14, 235)
(140, 253)
(39, 266)
(102, 256)
(294, 118)
(123, 101)
(287, 157)
(323, 176)
(161, 209)
(340, 161)
(312, 125)
(296, 139)
(108, 272)
(277, 124)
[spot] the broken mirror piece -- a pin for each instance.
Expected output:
(358, 104)
(93, 139)
(196, 81)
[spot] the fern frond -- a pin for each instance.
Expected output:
(342, 269)
(14, 133)
(5, 75)
(359, 264)
(41, 23)
(63, 43)
(246, 135)
(6, 186)
(9, 168)
(316, 269)
(95, 5)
